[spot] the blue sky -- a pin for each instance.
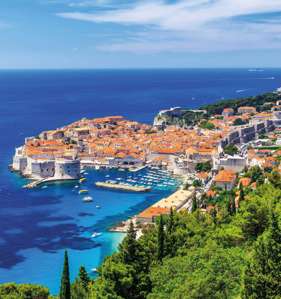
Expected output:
(139, 33)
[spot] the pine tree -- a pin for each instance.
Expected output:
(263, 274)
(213, 214)
(65, 292)
(161, 239)
(170, 236)
(171, 222)
(229, 205)
(241, 193)
(129, 245)
(233, 205)
(194, 204)
(84, 277)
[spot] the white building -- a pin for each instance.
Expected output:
(67, 169)
(235, 163)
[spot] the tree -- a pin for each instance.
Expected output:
(65, 292)
(241, 193)
(263, 273)
(170, 236)
(213, 214)
(208, 272)
(194, 204)
(239, 122)
(78, 291)
(207, 125)
(197, 183)
(256, 174)
(129, 246)
(23, 291)
(84, 277)
(161, 239)
(203, 166)
(233, 205)
(275, 179)
(171, 222)
(231, 149)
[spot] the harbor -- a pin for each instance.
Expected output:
(122, 187)
(175, 201)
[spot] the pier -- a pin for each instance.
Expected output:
(122, 187)
(34, 184)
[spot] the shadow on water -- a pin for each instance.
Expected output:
(34, 228)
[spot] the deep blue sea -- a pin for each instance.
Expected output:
(37, 225)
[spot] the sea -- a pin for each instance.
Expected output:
(36, 226)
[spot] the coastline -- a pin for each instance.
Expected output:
(58, 120)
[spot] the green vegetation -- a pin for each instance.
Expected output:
(230, 149)
(256, 101)
(197, 183)
(65, 281)
(23, 291)
(203, 166)
(207, 125)
(188, 118)
(256, 174)
(239, 122)
(262, 275)
(191, 118)
(194, 255)
(227, 253)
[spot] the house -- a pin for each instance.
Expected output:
(150, 214)
(225, 179)
(246, 109)
(227, 112)
(235, 163)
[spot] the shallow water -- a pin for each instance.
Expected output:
(37, 225)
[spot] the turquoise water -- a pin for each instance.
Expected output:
(52, 217)
(37, 225)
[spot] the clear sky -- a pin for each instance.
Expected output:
(139, 33)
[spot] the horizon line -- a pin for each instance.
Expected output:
(139, 68)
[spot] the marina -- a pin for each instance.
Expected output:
(38, 224)
(123, 187)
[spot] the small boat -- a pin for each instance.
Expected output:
(83, 191)
(82, 180)
(97, 206)
(44, 187)
(76, 186)
(94, 270)
(95, 234)
(88, 199)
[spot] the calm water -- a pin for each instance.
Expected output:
(36, 226)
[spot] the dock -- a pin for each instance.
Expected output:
(33, 184)
(123, 187)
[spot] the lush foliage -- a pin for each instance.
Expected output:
(207, 125)
(230, 149)
(197, 255)
(23, 291)
(228, 253)
(257, 101)
(65, 280)
(203, 166)
(188, 118)
(239, 122)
